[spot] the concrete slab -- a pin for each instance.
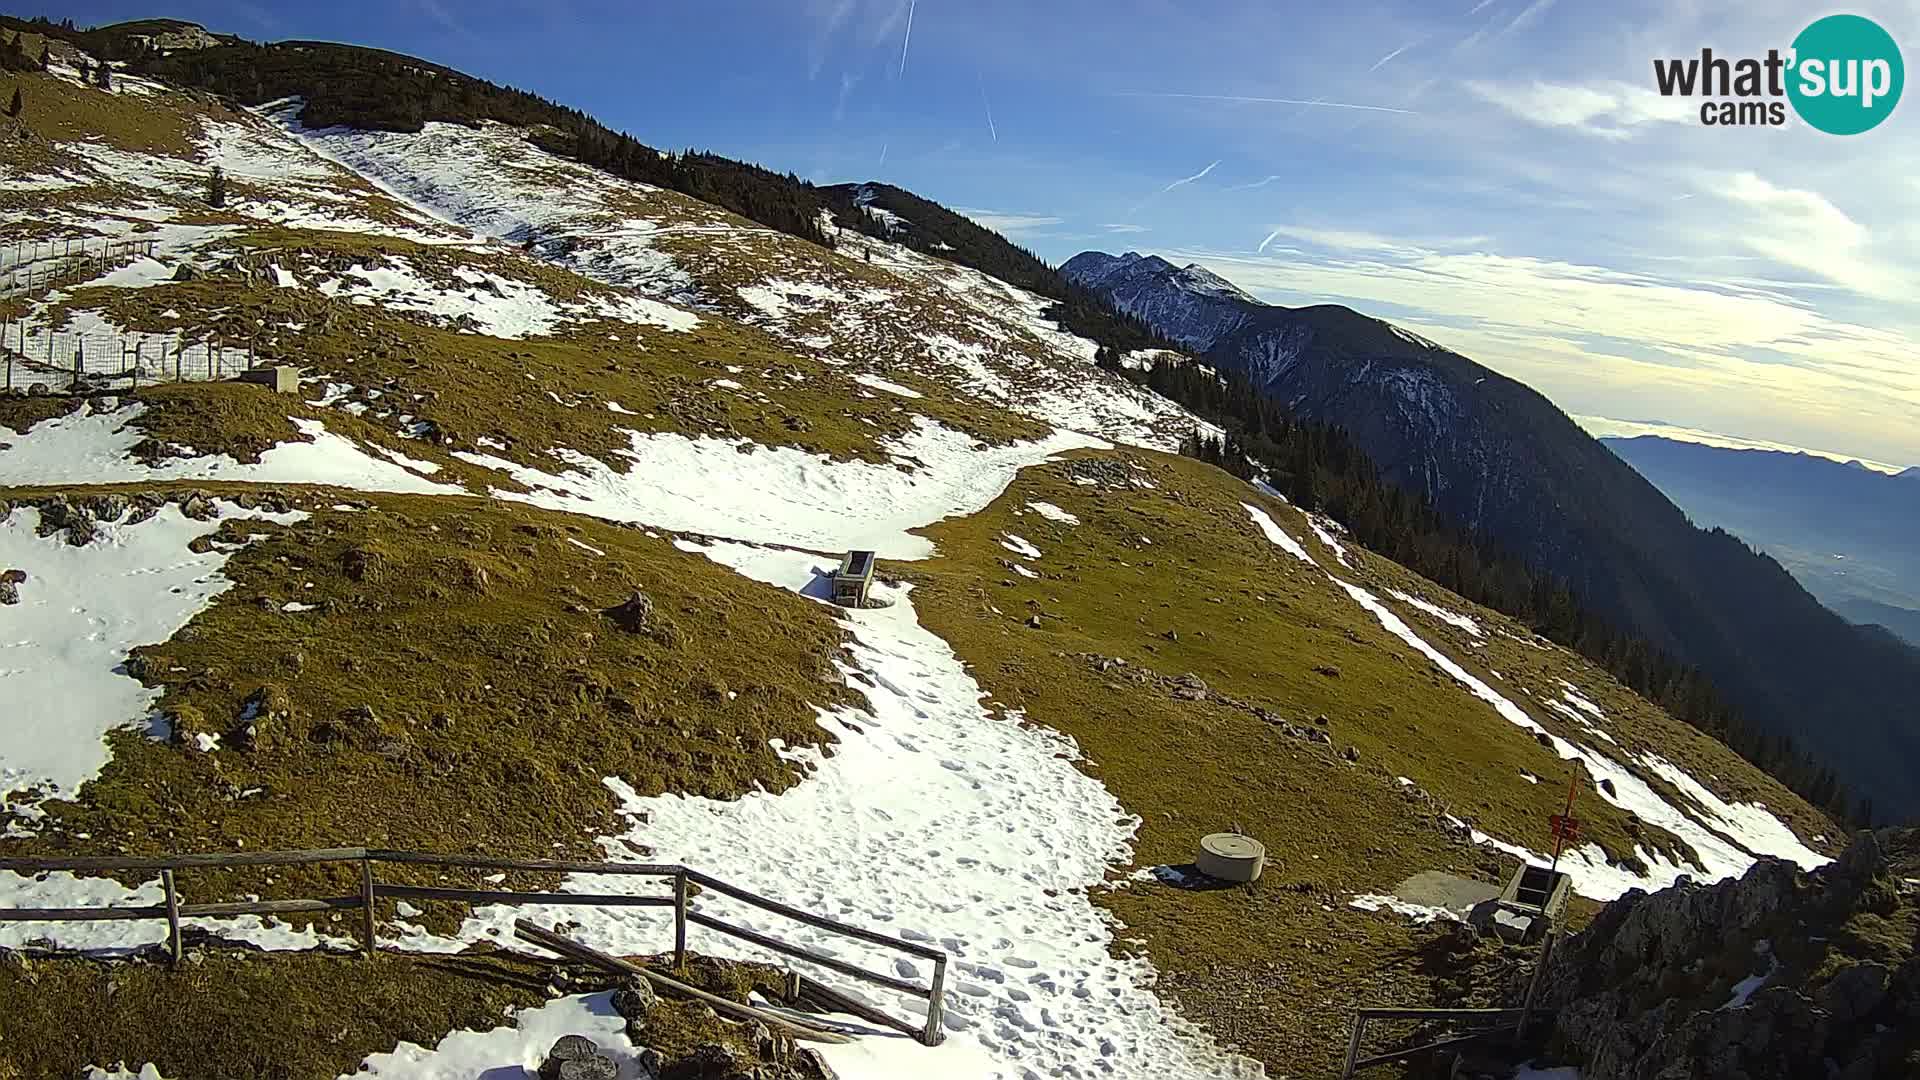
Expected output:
(1437, 888)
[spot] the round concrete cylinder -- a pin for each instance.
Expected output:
(1231, 857)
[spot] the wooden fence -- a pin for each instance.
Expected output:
(174, 908)
(1489, 1023)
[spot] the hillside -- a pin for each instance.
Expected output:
(534, 563)
(1844, 532)
(1498, 457)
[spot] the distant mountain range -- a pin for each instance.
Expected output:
(1500, 458)
(1846, 531)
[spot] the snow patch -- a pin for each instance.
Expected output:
(782, 495)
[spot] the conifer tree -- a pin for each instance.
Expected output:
(17, 104)
(217, 188)
(103, 76)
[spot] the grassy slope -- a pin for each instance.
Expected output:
(499, 694)
(234, 1014)
(1267, 967)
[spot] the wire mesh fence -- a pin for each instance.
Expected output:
(29, 265)
(59, 362)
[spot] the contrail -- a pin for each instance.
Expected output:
(906, 40)
(988, 105)
(1256, 184)
(1382, 62)
(1183, 180)
(1268, 240)
(883, 157)
(1188, 179)
(1266, 101)
(1476, 8)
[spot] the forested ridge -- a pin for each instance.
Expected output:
(932, 229)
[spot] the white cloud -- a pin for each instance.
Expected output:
(1007, 224)
(1124, 228)
(1609, 109)
(1614, 342)
(1802, 229)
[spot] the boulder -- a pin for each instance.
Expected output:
(198, 506)
(632, 614)
(108, 507)
(1854, 993)
(576, 1057)
(635, 1000)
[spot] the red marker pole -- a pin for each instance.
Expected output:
(1563, 825)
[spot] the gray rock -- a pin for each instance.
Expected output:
(9, 593)
(81, 530)
(108, 507)
(809, 1064)
(1854, 993)
(576, 1057)
(632, 614)
(636, 999)
(1190, 687)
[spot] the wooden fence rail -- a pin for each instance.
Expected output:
(1490, 1021)
(174, 909)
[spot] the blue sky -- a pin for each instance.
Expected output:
(1534, 205)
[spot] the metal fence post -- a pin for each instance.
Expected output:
(173, 916)
(680, 918)
(366, 900)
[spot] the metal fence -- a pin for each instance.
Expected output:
(29, 265)
(60, 360)
(174, 907)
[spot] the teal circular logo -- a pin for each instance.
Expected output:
(1846, 75)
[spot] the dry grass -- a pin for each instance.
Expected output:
(457, 689)
(1272, 967)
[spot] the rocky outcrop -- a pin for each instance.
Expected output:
(1777, 975)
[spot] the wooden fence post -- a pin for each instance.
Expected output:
(936, 1005)
(1353, 1045)
(366, 900)
(1533, 984)
(680, 919)
(173, 916)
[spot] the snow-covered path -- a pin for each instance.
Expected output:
(937, 821)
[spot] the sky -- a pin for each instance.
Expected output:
(1499, 175)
